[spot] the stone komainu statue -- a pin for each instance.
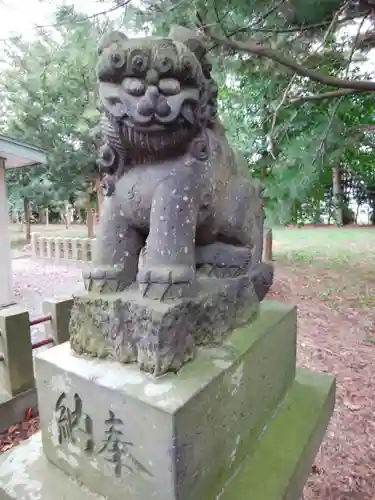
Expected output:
(176, 207)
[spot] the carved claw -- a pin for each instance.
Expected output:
(104, 280)
(222, 271)
(167, 283)
(222, 260)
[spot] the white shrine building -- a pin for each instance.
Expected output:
(13, 154)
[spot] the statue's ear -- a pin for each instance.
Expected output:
(111, 38)
(190, 39)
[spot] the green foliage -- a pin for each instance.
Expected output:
(50, 90)
(49, 87)
(312, 11)
(292, 148)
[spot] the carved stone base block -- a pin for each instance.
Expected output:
(160, 336)
(237, 423)
(124, 434)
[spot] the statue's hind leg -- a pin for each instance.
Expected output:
(242, 218)
(241, 223)
(116, 251)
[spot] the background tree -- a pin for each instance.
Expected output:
(293, 98)
(49, 87)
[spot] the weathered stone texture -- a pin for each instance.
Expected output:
(160, 336)
(181, 430)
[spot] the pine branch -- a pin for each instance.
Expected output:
(262, 50)
(327, 34)
(336, 93)
(119, 5)
(325, 95)
(293, 29)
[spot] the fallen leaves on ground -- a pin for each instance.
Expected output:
(332, 337)
(17, 433)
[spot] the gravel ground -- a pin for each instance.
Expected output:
(35, 281)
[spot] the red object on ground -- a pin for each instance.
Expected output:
(28, 414)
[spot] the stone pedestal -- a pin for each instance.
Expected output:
(160, 335)
(221, 428)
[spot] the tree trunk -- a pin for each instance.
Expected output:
(338, 195)
(267, 245)
(357, 213)
(90, 217)
(317, 218)
(26, 209)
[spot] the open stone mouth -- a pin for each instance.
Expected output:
(151, 126)
(155, 137)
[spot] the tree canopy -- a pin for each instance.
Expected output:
(296, 94)
(294, 97)
(49, 88)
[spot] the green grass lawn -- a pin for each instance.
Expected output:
(329, 273)
(337, 263)
(338, 245)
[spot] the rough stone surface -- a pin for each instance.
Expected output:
(124, 433)
(276, 465)
(160, 336)
(280, 461)
(26, 474)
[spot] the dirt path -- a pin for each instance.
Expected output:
(336, 314)
(336, 334)
(35, 281)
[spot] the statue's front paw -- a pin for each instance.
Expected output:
(163, 283)
(104, 280)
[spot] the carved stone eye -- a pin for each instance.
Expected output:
(118, 60)
(134, 86)
(164, 64)
(169, 86)
(139, 63)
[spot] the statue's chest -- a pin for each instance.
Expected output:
(135, 190)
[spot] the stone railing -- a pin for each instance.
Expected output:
(17, 382)
(80, 249)
(58, 248)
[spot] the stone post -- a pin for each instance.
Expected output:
(6, 285)
(85, 249)
(35, 252)
(267, 245)
(42, 247)
(58, 327)
(49, 241)
(58, 248)
(66, 248)
(74, 248)
(16, 370)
